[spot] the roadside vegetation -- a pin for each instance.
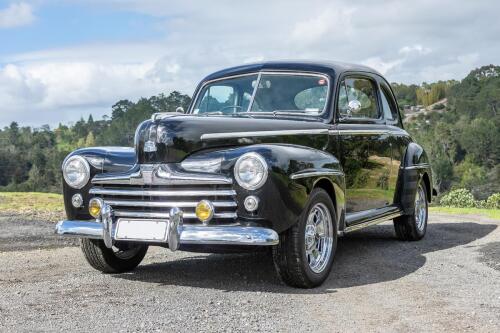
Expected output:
(33, 205)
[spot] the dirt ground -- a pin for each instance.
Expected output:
(450, 281)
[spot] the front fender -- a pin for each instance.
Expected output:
(293, 173)
(101, 160)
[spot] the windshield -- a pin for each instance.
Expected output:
(264, 93)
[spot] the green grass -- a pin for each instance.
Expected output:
(33, 205)
(491, 213)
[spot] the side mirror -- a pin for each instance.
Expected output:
(179, 109)
(354, 106)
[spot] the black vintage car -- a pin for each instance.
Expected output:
(286, 155)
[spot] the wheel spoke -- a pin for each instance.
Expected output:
(318, 233)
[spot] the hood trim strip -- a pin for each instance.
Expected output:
(213, 136)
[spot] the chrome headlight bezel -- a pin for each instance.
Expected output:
(86, 176)
(255, 158)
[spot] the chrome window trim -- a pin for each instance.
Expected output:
(209, 136)
(417, 166)
(299, 175)
(273, 72)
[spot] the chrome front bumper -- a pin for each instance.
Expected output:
(177, 232)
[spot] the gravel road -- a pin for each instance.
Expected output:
(450, 281)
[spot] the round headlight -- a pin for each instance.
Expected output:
(250, 171)
(76, 171)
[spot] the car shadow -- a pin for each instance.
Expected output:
(372, 255)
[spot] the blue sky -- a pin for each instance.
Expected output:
(64, 59)
(60, 24)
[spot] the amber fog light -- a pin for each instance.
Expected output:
(251, 203)
(204, 211)
(95, 206)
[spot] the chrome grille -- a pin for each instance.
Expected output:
(131, 197)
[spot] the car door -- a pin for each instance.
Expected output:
(399, 138)
(365, 147)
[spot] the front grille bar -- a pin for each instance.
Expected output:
(165, 204)
(162, 193)
(138, 214)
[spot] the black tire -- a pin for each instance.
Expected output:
(109, 261)
(290, 258)
(408, 227)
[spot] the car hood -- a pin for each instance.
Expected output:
(173, 137)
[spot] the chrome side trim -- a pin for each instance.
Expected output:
(161, 174)
(306, 174)
(165, 204)
(417, 166)
(189, 234)
(209, 136)
(162, 193)
(154, 215)
(359, 132)
(372, 222)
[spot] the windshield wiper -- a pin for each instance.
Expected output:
(277, 113)
(217, 113)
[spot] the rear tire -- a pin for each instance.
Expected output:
(304, 256)
(413, 227)
(114, 260)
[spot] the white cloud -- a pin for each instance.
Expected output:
(317, 28)
(16, 15)
(380, 65)
(411, 43)
(417, 49)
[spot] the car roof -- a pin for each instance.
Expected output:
(332, 68)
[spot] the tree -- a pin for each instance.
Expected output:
(90, 140)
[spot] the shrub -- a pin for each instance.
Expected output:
(493, 202)
(461, 198)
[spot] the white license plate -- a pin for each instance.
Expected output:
(142, 230)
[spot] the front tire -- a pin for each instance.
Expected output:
(115, 260)
(413, 227)
(304, 256)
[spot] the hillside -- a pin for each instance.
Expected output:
(463, 141)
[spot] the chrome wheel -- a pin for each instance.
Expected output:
(318, 237)
(420, 208)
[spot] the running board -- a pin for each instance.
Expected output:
(376, 220)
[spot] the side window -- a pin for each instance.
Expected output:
(363, 91)
(389, 108)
